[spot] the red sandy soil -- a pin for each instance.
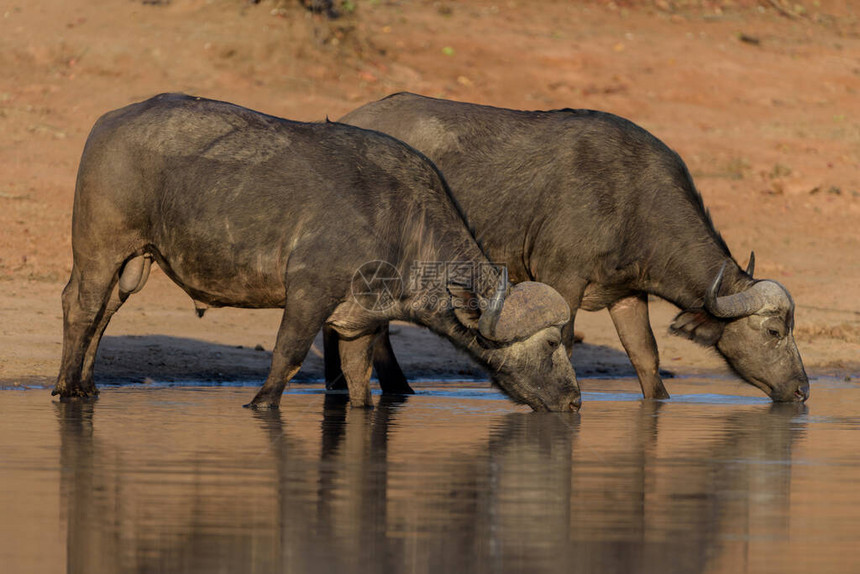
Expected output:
(761, 98)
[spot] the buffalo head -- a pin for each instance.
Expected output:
(517, 335)
(753, 331)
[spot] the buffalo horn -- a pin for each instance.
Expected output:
(751, 264)
(528, 308)
(745, 303)
(490, 315)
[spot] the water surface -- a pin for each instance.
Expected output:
(454, 479)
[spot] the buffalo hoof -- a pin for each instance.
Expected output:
(262, 405)
(360, 403)
(67, 393)
(654, 389)
(404, 389)
(264, 402)
(394, 384)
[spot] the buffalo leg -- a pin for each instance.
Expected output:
(135, 278)
(630, 316)
(334, 379)
(391, 377)
(86, 310)
(300, 323)
(114, 303)
(356, 357)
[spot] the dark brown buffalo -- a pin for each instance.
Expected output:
(247, 210)
(603, 211)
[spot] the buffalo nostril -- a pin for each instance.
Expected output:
(574, 405)
(802, 393)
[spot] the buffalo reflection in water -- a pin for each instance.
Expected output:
(366, 497)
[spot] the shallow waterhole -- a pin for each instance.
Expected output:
(180, 478)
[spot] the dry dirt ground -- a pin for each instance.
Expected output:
(761, 98)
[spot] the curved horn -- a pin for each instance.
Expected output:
(490, 315)
(711, 294)
(751, 264)
(528, 308)
(749, 302)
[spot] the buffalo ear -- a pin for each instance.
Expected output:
(699, 326)
(466, 304)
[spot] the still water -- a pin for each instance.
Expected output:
(454, 479)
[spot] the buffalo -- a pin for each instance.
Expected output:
(323, 220)
(607, 214)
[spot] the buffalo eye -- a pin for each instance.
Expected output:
(553, 344)
(774, 328)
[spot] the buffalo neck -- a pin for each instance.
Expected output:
(684, 280)
(436, 248)
(444, 323)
